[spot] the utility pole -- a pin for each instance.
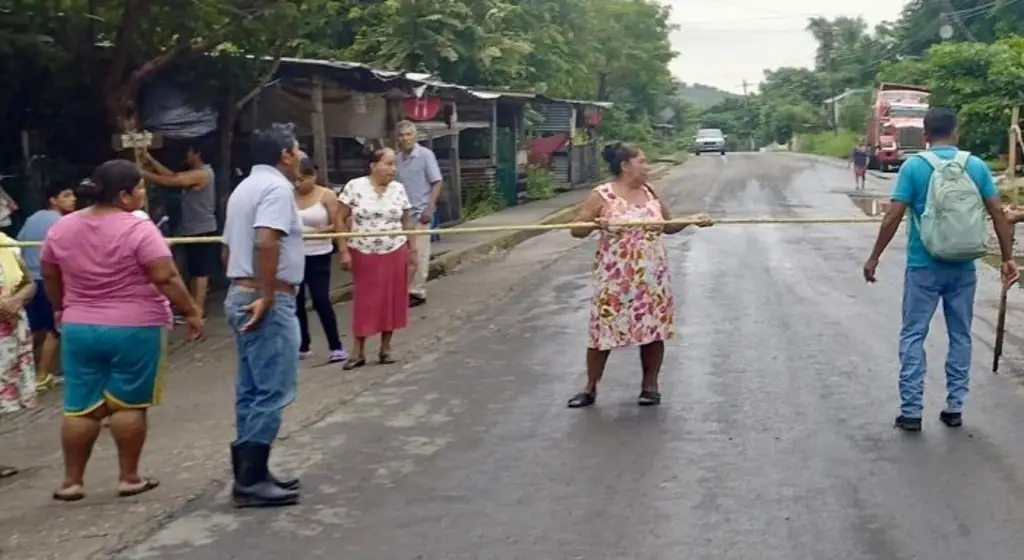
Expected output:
(746, 98)
(1011, 157)
(832, 92)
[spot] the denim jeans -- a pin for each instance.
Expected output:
(923, 288)
(268, 364)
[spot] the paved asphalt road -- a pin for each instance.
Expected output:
(774, 442)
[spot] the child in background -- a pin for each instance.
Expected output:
(60, 200)
(859, 160)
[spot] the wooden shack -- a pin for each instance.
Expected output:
(570, 143)
(337, 107)
(477, 141)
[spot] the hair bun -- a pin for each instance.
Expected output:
(87, 188)
(611, 152)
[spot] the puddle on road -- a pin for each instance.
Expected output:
(870, 205)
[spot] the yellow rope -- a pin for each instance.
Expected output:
(522, 227)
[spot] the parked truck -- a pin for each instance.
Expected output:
(895, 128)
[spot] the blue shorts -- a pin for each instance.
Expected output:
(40, 311)
(118, 366)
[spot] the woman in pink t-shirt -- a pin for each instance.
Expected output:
(109, 276)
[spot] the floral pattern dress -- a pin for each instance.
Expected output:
(374, 212)
(633, 303)
(17, 364)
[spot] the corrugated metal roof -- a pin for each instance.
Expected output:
(422, 78)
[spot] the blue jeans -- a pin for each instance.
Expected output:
(923, 288)
(268, 364)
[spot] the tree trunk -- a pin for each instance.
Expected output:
(602, 87)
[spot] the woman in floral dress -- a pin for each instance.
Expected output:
(17, 364)
(380, 265)
(633, 304)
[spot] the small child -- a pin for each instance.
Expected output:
(859, 160)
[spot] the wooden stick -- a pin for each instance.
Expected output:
(997, 351)
(526, 227)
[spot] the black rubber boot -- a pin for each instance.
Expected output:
(252, 487)
(286, 484)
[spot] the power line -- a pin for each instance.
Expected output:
(895, 52)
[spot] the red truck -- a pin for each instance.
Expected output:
(896, 124)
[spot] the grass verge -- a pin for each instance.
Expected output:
(837, 145)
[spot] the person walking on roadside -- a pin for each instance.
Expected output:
(633, 303)
(859, 161)
(60, 200)
(198, 213)
(318, 209)
(110, 275)
(948, 192)
(265, 262)
(419, 173)
(380, 265)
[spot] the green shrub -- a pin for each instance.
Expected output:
(480, 201)
(828, 143)
(540, 184)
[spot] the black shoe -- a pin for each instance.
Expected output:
(286, 484)
(908, 424)
(254, 486)
(951, 419)
(649, 398)
(416, 300)
(582, 400)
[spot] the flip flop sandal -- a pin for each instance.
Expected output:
(147, 484)
(353, 364)
(8, 472)
(384, 358)
(649, 398)
(63, 496)
(45, 384)
(582, 400)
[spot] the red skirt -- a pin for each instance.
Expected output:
(380, 292)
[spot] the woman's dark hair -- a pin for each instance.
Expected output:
(203, 148)
(307, 167)
(374, 153)
(266, 145)
(108, 182)
(618, 153)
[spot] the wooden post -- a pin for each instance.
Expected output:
(1011, 174)
(1011, 169)
(453, 154)
(138, 143)
(319, 132)
(494, 132)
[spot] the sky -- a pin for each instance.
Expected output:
(724, 42)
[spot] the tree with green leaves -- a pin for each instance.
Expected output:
(125, 43)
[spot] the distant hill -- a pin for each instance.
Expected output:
(702, 96)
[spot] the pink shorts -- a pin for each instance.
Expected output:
(859, 171)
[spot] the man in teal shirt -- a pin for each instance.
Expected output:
(928, 281)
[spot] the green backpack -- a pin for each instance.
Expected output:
(952, 227)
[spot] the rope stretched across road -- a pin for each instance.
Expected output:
(522, 227)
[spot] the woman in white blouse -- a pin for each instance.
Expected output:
(380, 265)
